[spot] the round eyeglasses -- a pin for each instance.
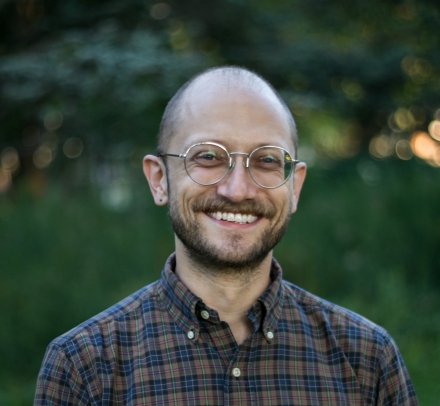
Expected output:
(207, 163)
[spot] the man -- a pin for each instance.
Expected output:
(221, 327)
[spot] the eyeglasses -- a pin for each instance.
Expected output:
(207, 163)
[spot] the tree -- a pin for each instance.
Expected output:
(99, 73)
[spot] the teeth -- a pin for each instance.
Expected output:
(234, 217)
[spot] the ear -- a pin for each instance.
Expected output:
(298, 179)
(155, 172)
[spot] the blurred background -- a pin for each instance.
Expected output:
(83, 84)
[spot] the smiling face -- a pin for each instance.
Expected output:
(233, 224)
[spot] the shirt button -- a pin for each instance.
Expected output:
(269, 335)
(190, 334)
(205, 314)
(236, 372)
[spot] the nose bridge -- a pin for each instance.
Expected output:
(238, 185)
(245, 161)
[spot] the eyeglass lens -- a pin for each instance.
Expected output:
(207, 164)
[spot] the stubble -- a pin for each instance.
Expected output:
(233, 256)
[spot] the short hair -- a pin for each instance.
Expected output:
(173, 112)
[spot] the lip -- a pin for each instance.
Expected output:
(233, 225)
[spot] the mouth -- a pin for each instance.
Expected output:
(233, 217)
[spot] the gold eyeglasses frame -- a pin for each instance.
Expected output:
(231, 164)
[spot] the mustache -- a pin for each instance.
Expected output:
(224, 205)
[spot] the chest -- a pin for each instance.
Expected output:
(169, 368)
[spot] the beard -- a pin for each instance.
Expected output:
(232, 257)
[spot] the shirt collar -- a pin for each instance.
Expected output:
(185, 307)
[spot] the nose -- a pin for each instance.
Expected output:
(237, 185)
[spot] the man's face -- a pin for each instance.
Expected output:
(240, 120)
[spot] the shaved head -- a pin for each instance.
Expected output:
(229, 77)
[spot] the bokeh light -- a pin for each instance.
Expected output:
(174, 27)
(352, 89)
(179, 37)
(418, 114)
(381, 146)
(160, 11)
(10, 160)
(435, 160)
(116, 196)
(50, 139)
(42, 156)
(369, 172)
(404, 119)
(392, 123)
(73, 147)
(5, 180)
(418, 69)
(403, 150)
(424, 147)
(53, 120)
(347, 146)
(434, 129)
(180, 40)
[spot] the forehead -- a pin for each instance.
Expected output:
(239, 117)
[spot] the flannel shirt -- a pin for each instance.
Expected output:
(164, 346)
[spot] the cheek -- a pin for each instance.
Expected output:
(183, 192)
(283, 199)
(284, 206)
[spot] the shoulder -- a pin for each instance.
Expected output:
(346, 326)
(118, 319)
(346, 336)
(76, 361)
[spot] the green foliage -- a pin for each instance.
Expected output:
(109, 67)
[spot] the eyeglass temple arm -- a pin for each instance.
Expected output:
(176, 155)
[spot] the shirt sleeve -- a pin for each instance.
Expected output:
(394, 386)
(58, 382)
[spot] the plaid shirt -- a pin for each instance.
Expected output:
(164, 346)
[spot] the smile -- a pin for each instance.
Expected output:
(234, 217)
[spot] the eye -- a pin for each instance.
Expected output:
(268, 159)
(209, 155)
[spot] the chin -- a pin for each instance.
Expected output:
(232, 257)
(234, 262)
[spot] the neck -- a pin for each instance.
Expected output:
(230, 292)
